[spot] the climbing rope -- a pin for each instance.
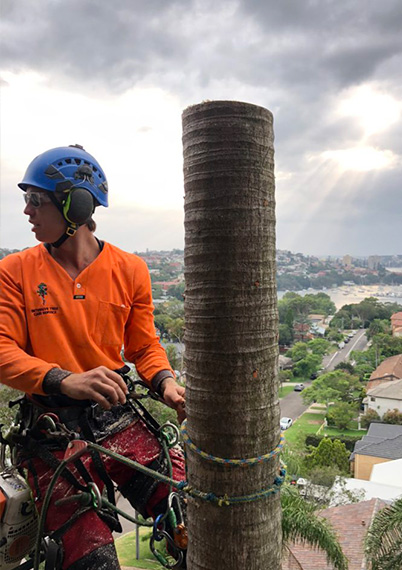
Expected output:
(232, 462)
(169, 436)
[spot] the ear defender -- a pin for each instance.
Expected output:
(79, 206)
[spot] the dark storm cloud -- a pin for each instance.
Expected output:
(117, 44)
(294, 57)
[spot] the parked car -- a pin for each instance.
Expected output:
(285, 423)
(299, 387)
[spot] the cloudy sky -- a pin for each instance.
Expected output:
(116, 75)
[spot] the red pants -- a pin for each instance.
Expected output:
(89, 532)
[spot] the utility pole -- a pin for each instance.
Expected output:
(231, 335)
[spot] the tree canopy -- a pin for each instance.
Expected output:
(329, 453)
(363, 313)
(335, 386)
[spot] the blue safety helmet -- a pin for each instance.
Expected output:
(66, 168)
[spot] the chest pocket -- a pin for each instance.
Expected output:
(110, 324)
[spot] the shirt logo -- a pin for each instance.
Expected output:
(42, 292)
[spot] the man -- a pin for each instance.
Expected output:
(67, 307)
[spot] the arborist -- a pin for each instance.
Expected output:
(67, 307)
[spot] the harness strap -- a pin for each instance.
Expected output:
(53, 462)
(141, 411)
(100, 467)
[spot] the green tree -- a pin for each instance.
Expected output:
(307, 366)
(172, 355)
(156, 291)
(285, 335)
(176, 291)
(333, 335)
(341, 415)
(298, 351)
(383, 542)
(329, 453)
(300, 522)
(320, 303)
(378, 326)
(7, 414)
(387, 345)
(345, 366)
(175, 328)
(365, 361)
(332, 387)
(319, 346)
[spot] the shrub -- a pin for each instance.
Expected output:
(393, 417)
(349, 441)
(341, 415)
(369, 417)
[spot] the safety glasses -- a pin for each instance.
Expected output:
(36, 199)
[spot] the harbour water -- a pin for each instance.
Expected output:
(348, 294)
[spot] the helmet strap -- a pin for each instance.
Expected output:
(71, 227)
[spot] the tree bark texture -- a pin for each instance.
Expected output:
(231, 334)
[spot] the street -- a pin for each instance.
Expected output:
(292, 405)
(358, 342)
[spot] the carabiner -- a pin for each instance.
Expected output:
(174, 551)
(156, 532)
(96, 495)
(171, 434)
(51, 420)
(176, 520)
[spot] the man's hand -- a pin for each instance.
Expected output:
(174, 396)
(102, 385)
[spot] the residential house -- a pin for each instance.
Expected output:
(383, 443)
(396, 324)
(350, 523)
(390, 369)
(384, 397)
(284, 363)
(302, 331)
(319, 324)
(347, 490)
(388, 473)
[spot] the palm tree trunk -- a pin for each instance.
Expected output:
(231, 333)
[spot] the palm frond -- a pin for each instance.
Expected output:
(383, 543)
(300, 522)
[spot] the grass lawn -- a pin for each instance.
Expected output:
(306, 424)
(126, 551)
(309, 423)
(348, 432)
(285, 390)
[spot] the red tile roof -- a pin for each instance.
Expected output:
(350, 523)
(389, 369)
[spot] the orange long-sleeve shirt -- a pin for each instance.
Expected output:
(49, 320)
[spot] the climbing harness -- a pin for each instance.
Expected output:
(170, 525)
(50, 434)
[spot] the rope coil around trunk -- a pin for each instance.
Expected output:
(230, 462)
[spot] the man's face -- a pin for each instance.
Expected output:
(47, 222)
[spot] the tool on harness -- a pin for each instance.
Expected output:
(50, 430)
(19, 520)
(159, 533)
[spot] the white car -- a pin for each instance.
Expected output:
(285, 423)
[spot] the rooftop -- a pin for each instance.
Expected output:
(391, 390)
(350, 523)
(389, 367)
(382, 440)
